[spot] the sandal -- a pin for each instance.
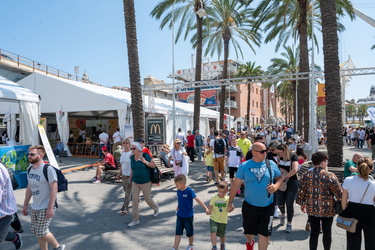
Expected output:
(124, 213)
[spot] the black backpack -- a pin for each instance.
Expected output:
(62, 182)
(219, 146)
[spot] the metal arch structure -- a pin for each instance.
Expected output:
(182, 87)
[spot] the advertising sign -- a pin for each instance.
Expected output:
(321, 94)
(47, 147)
(155, 128)
(208, 98)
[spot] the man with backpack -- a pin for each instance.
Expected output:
(44, 191)
(218, 146)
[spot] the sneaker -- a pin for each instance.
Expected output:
(282, 220)
(214, 248)
(156, 212)
(97, 181)
(189, 247)
(61, 247)
(94, 179)
(250, 246)
(276, 214)
(307, 227)
(17, 241)
(288, 228)
(222, 246)
(133, 223)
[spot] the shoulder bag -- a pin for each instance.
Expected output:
(349, 224)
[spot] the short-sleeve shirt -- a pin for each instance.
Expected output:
(141, 172)
(103, 137)
(117, 137)
(108, 159)
(234, 156)
(185, 203)
(209, 159)
(212, 144)
(190, 140)
(219, 209)
(40, 187)
(347, 171)
(256, 177)
(356, 187)
(244, 144)
(287, 165)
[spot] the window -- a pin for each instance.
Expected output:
(253, 104)
(257, 107)
(256, 91)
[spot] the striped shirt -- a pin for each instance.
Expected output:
(8, 204)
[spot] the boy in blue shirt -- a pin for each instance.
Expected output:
(185, 212)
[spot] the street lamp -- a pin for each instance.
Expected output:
(173, 88)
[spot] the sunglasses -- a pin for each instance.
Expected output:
(178, 142)
(261, 151)
(133, 148)
(31, 154)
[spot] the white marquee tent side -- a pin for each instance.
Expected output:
(16, 99)
(62, 95)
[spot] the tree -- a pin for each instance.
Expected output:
(134, 73)
(351, 110)
(321, 114)
(332, 76)
(186, 12)
(226, 20)
(287, 19)
(362, 112)
(286, 65)
(245, 70)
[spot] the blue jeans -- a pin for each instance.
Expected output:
(360, 143)
(198, 151)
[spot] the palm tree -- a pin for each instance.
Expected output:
(288, 64)
(134, 73)
(287, 19)
(186, 12)
(321, 114)
(244, 70)
(350, 111)
(362, 111)
(285, 91)
(332, 76)
(226, 20)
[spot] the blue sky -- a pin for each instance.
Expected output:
(91, 34)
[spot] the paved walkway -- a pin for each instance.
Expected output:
(87, 217)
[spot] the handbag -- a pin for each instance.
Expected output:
(155, 175)
(349, 224)
(284, 185)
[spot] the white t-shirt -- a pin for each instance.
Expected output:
(103, 137)
(356, 187)
(234, 157)
(117, 137)
(181, 136)
(125, 162)
(362, 134)
(40, 188)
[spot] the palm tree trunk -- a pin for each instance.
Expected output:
(303, 88)
(198, 74)
(225, 76)
(134, 73)
(332, 76)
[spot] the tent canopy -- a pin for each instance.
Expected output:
(87, 100)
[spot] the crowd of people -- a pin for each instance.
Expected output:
(270, 166)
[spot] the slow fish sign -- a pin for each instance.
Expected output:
(371, 113)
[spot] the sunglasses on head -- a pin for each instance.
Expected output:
(261, 151)
(31, 154)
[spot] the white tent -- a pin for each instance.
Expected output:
(62, 95)
(16, 99)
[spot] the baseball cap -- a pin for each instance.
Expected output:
(139, 140)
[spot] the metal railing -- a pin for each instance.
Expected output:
(30, 65)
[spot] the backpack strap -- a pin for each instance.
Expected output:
(271, 177)
(45, 169)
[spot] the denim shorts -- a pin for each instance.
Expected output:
(210, 169)
(185, 223)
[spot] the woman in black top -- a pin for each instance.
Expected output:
(287, 163)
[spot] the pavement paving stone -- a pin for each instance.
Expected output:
(88, 218)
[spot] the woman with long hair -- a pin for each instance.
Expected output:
(141, 163)
(317, 194)
(288, 165)
(358, 202)
(125, 172)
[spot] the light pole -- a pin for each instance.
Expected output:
(173, 88)
(312, 138)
